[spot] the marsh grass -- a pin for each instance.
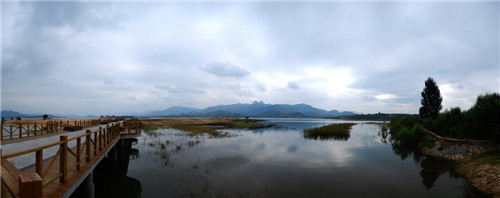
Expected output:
(332, 131)
(197, 126)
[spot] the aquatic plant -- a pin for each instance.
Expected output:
(332, 131)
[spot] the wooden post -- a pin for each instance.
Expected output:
(28, 129)
(1, 132)
(78, 142)
(87, 145)
(30, 185)
(57, 126)
(100, 138)
(37, 184)
(10, 131)
(63, 159)
(75, 123)
(20, 130)
(96, 142)
(39, 162)
(25, 186)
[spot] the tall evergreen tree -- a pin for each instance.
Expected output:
(431, 100)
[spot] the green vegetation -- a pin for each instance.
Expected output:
(3, 120)
(332, 131)
(431, 100)
(481, 121)
(407, 132)
(196, 126)
(45, 116)
(18, 118)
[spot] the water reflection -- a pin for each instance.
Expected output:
(329, 136)
(110, 175)
(280, 162)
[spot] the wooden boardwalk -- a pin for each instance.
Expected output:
(55, 176)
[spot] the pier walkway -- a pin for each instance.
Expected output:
(54, 166)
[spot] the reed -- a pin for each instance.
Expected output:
(332, 131)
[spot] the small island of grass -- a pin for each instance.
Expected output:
(196, 126)
(331, 131)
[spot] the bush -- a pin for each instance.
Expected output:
(407, 132)
(45, 116)
(18, 118)
(3, 120)
(484, 117)
(481, 121)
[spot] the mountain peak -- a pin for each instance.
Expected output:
(255, 102)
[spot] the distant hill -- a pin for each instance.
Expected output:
(7, 114)
(175, 110)
(255, 109)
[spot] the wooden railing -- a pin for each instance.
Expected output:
(32, 182)
(12, 131)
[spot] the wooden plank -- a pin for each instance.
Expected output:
(10, 181)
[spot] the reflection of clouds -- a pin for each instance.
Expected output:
(289, 147)
(226, 163)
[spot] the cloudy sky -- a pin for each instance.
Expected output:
(103, 58)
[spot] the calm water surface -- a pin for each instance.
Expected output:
(280, 162)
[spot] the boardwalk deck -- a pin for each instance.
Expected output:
(64, 172)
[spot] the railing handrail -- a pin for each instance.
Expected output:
(27, 151)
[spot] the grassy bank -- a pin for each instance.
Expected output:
(332, 131)
(483, 171)
(195, 126)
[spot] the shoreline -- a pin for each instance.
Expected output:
(478, 160)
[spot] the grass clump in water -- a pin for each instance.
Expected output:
(332, 131)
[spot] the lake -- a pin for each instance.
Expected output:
(281, 162)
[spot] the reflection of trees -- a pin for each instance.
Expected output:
(431, 168)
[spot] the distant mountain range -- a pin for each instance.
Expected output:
(13, 114)
(7, 114)
(255, 109)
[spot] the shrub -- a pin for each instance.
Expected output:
(3, 120)
(407, 132)
(18, 118)
(45, 116)
(484, 117)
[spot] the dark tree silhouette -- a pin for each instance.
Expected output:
(431, 100)
(45, 116)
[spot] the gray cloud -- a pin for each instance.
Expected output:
(293, 85)
(102, 58)
(226, 70)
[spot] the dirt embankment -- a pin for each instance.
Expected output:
(478, 160)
